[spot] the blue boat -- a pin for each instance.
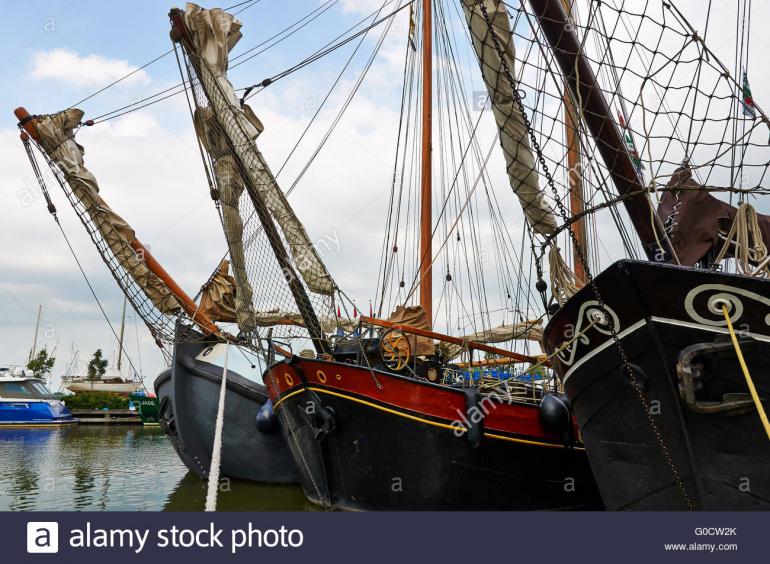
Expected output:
(26, 402)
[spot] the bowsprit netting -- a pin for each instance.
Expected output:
(281, 280)
(673, 100)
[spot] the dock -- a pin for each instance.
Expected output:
(107, 417)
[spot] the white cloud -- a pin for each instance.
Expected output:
(134, 125)
(361, 6)
(89, 70)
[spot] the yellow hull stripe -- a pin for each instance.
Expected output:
(418, 419)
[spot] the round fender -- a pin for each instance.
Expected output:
(267, 420)
(555, 413)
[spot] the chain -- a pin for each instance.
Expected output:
(581, 256)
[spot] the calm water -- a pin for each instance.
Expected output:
(98, 468)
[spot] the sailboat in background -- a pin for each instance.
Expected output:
(113, 380)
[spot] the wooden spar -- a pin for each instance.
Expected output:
(485, 363)
(426, 201)
(596, 113)
(188, 305)
(575, 178)
(27, 121)
(180, 33)
(472, 345)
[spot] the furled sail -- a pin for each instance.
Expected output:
(214, 33)
(231, 186)
(520, 161)
(55, 136)
(218, 295)
(526, 330)
(276, 316)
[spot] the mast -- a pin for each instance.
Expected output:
(426, 203)
(37, 329)
(122, 332)
(575, 177)
(248, 159)
(568, 53)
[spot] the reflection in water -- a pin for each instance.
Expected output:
(190, 495)
(102, 468)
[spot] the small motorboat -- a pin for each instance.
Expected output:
(26, 402)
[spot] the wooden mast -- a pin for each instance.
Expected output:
(575, 177)
(426, 211)
(582, 81)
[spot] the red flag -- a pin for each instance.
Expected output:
(338, 312)
(355, 312)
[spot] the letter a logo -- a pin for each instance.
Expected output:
(42, 537)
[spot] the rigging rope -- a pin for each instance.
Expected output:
(216, 454)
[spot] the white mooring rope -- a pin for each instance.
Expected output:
(216, 454)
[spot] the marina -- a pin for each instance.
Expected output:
(563, 307)
(107, 468)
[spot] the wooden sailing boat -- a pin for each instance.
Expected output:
(369, 420)
(187, 391)
(669, 395)
(378, 416)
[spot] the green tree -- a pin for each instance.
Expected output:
(42, 364)
(97, 366)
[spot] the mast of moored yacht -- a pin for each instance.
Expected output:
(32, 351)
(122, 332)
(575, 177)
(426, 201)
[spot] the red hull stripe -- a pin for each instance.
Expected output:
(405, 397)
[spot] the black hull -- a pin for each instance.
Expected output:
(380, 458)
(650, 446)
(189, 395)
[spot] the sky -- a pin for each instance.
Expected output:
(57, 52)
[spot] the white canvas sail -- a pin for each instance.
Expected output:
(519, 160)
(214, 33)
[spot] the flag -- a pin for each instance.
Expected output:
(630, 145)
(747, 102)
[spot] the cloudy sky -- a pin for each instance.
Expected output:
(55, 53)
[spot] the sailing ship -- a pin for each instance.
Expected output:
(186, 400)
(651, 391)
(668, 393)
(370, 421)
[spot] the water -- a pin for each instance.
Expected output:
(104, 468)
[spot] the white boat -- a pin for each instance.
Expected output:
(114, 383)
(111, 381)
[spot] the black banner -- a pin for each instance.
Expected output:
(393, 538)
